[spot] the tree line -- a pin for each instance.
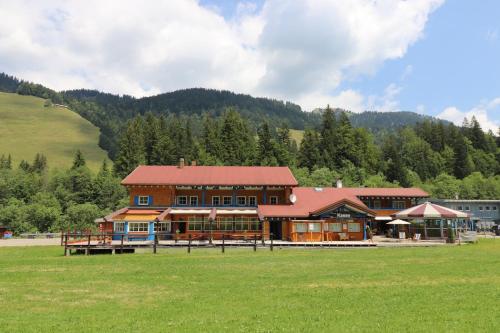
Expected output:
(36, 199)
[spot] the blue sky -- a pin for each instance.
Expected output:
(431, 56)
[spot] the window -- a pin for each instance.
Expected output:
(335, 227)
(480, 207)
(376, 204)
(193, 201)
(467, 208)
(227, 201)
(241, 201)
(119, 226)
(162, 227)
(215, 201)
(138, 226)
(494, 207)
(254, 224)
(353, 227)
(315, 227)
(182, 200)
(487, 207)
(273, 200)
(252, 201)
(398, 205)
(240, 224)
(225, 223)
(143, 200)
(195, 223)
(300, 227)
(459, 207)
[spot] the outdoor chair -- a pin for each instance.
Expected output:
(416, 237)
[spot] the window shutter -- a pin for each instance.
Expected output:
(150, 200)
(136, 200)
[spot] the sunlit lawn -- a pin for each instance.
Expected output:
(407, 289)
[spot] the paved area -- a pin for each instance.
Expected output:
(29, 242)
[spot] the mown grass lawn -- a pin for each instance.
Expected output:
(357, 290)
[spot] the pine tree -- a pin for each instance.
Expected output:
(39, 163)
(265, 146)
(239, 143)
(329, 138)
(163, 152)
(131, 149)
(211, 137)
(476, 135)
(78, 160)
(309, 152)
(25, 166)
(151, 135)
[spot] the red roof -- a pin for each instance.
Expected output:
(389, 192)
(312, 200)
(211, 176)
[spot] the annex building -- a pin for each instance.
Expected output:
(241, 201)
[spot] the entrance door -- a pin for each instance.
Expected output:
(276, 229)
(182, 226)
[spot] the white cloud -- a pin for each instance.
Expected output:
(294, 50)
(482, 113)
(387, 102)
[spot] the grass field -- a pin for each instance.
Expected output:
(297, 135)
(27, 127)
(358, 290)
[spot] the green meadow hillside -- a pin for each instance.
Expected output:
(27, 128)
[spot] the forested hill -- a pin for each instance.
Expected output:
(196, 101)
(110, 112)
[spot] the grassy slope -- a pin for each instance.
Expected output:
(27, 127)
(409, 289)
(297, 135)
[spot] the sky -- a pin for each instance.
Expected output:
(434, 57)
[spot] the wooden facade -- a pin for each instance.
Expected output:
(242, 208)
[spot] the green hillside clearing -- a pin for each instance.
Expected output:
(27, 128)
(296, 135)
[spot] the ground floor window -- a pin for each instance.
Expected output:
(196, 223)
(315, 227)
(119, 226)
(138, 226)
(225, 223)
(246, 223)
(162, 227)
(335, 227)
(353, 227)
(300, 227)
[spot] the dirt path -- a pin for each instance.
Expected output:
(29, 242)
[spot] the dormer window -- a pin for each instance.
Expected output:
(143, 200)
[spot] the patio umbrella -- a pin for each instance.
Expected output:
(429, 210)
(398, 222)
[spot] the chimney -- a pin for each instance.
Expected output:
(181, 163)
(193, 163)
(339, 183)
